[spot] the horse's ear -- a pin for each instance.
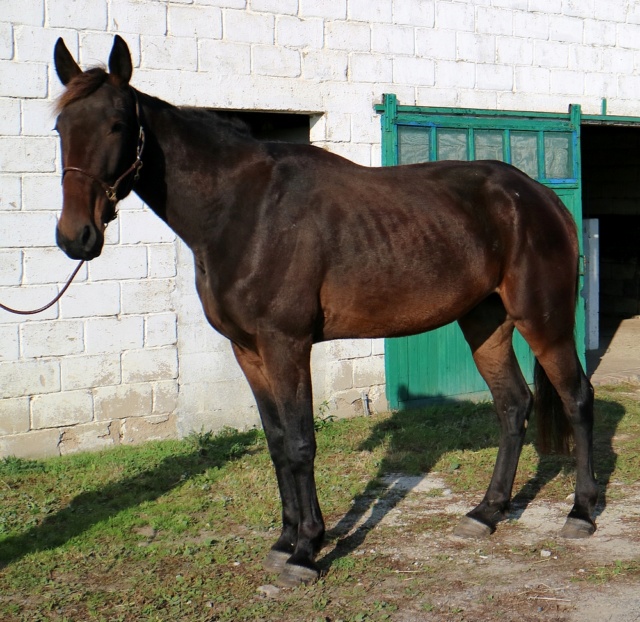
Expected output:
(120, 66)
(66, 66)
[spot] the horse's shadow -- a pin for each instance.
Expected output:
(98, 505)
(383, 494)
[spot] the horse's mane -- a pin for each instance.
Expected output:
(81, 86)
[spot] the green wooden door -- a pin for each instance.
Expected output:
(438, 364)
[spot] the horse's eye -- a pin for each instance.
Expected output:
(118, 126)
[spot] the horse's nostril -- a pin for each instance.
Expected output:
(86, 235)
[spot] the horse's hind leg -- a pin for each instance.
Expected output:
(572, 389)
(489, 333)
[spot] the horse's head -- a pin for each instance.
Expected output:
(100, 138)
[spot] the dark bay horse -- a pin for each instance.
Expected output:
(294, 245)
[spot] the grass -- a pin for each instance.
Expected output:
(178, 530)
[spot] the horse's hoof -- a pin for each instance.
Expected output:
(293, 575)
(275, 561)
(576, 528)
(471, 528)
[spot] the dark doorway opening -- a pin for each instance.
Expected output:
(611, 194)
(274, 126)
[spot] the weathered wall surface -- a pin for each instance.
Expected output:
(126, 355)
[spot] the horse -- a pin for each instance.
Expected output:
(294, 245)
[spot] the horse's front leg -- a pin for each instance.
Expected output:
(280, 377)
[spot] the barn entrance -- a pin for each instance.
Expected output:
(611, 197)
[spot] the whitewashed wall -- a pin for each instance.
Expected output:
(126, 355)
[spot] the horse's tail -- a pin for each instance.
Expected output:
(554, 429)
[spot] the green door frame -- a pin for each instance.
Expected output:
(405, 357)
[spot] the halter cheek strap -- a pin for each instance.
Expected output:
(112, 191)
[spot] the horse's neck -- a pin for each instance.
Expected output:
(179, 178)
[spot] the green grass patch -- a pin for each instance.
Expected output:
(178, 530)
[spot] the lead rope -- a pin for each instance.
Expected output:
(50, 304)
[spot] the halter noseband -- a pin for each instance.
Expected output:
(112, 191)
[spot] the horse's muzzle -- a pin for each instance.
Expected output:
(86, 245)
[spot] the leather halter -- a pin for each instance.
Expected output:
(112, 191)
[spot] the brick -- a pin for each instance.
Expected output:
(370, 10)
(550, 54)
(532, 79)
(38, 120)
(89, 437)
(514, 51)
(10, 197)
(628, 36)
(545, 6)
(161, 259)
(338, 128)
(31, 12)
(38, 444)
(26, 298)
(147, 296)
(599, 33)
(600, 85)
(59, 338)
(119, 262)
(413, 71)
(494, 77)
(325, 65)
(6, 41)
(36, 43)
(28, 229)
(455, 16)
(122, 401)
(628, 87)
(336, 9)
(275, 61)
(348, 36)
(369, 68)
(476, 48)
(155, 428)
(377, 346)
(455, 75)
(160, 330)
(531, 25)
(300, 33)
(10, 267)
(224, 58)
(220, 365)
(369, 371)
(95, 47)
(91, 300)
(583, 58)
(349, 348)
(567, 29)
(56, 410)
(195, 21)
(50, 265)
(149, 365)
(241, 27)
(414, 12)
(113, 334)
(391, 39)
(140, 18)
(436, 44)
(619, 61)
(88, 371)
(281, 7)
(144, 228)
(9, 343)
(491, 20)
(10, 117)
(340, 375)
(165, 397)
(169, 53)
(27, 154)
(14, 416)
(579, 8)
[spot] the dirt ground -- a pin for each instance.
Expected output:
(523, 572)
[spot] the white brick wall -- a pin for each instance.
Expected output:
(127, 354)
